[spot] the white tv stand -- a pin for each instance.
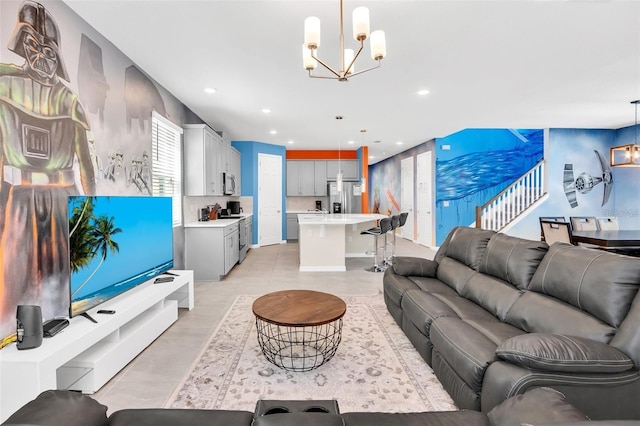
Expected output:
(85, 355)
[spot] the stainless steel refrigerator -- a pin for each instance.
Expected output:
(350, 198)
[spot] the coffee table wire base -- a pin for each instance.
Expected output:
(301, 348)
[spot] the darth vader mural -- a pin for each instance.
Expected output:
(45, 144)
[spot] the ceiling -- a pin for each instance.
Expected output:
(487, 64)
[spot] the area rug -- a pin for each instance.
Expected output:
(374, 369)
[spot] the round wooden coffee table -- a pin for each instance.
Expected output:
(299, 330)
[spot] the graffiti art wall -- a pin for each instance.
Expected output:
(75, 118)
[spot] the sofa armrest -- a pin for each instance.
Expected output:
(538, 405)
(558, 352)
(60, 408)
(415, 266)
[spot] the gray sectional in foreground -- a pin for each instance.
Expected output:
(495, 315)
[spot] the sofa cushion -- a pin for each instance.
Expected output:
(493, 294)
(405, 265)
(468, 245)
(557, 352)
(60, 408)
(455, 274)
(173, 417)
(468, 351)
(512, 259)
(603, 284)
(538, 405)
(440, 418)
(537, 313)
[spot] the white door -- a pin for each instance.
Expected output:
(424, 218)
(406, 196)
(269, 199)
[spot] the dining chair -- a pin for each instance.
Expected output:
(608, 223)
(555, 231)
(584, 223)
(552, 219)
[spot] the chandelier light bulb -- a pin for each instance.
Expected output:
(378, 45)
(312, 32)
(348, 58)
(307, 60)
(360, 23)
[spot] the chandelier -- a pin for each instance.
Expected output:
(347, 56)
(627, 155)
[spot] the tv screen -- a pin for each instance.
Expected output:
(115, 244)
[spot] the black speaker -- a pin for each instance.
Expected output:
(29, 326)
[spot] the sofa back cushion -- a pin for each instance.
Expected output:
(512, 259)
(493, 294)
(600, 283)
(466, 245)
(537, 313)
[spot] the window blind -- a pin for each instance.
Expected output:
(166, 163)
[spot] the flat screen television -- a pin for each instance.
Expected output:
(115, 244)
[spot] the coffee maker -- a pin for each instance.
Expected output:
(319, 205)
(337, 207)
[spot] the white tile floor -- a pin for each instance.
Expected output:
(149, 380)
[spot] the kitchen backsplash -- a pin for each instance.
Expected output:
(192, 205)
(306, 203)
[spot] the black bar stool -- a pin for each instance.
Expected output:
(395, 224)
(385, 226)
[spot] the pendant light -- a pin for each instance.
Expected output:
(628, 155)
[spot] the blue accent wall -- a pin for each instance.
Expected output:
(249, 151)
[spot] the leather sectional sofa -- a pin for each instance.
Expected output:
(542, 406)
(495, 315)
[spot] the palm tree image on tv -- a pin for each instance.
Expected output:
(115, 245)
(90, 236)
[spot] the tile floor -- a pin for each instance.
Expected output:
(150, 379)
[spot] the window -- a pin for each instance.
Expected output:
(166, 163)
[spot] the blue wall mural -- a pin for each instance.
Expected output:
(474, 165)
(582, 149)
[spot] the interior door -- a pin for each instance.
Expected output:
(269, 199)
(424, 197)
(406, 196)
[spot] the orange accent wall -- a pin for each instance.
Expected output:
(364, 162)
(321, 154)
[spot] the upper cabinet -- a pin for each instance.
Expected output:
(349, 169)
(306, 178)
(203, 160)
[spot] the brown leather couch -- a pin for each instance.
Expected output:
(495, 315)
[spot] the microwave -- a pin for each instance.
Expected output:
(228, 184)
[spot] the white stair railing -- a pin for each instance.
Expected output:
(513, 201)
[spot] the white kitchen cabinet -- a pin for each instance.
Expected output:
(349, 169)
(249, 223)
(231, 247)
(306, 178)
(211, 252)
(203, 160)
(233, 161)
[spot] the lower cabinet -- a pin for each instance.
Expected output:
(249, 223)
(292, 227)
(211, 252)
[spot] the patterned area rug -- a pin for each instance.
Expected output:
(374, 369)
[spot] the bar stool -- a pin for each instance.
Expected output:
(395, 224)
(385, 226)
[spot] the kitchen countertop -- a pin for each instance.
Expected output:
(218, 223)
(304, 212)
(337, 219)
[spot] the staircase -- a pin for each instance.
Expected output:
(508, 205)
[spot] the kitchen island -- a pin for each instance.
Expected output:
(325, 240)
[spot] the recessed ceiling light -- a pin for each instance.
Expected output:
(266, 110)
(290, 142)
(273, 132)
(210, 90)
(423, 92)
(399, 143)
(371, 157)
(350, 142)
